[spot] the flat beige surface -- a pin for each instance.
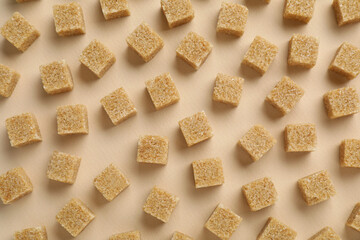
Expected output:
(107, 143)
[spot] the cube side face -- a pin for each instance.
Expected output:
(342, 102)
(56, 77)
(8, 80)
(228, 89)
(153, 149)
(346, 61)
(260, 193)
(114, 8)
(69, 19)
(134, 235)
(208, 172)
(177, 12)
(303, 51)
(301, 10)
(354, 218)
(181, 236)
(72, 119)
(35, 233)
(326, 233)
(300, 138)
(350, 153)
(63, 167)
(232, 19)
(346, 11)
(274, 229)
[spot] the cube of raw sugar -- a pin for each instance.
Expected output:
(118, 106)
(194, 49)
(285, 95)
(260, 193)
(228, 89)
(19, 32)
(145, 42)
(232, 19)
(14, 184)
(160, 204)
(110, 182)
(35, 233)
(97, 57)
(346, 61)
(196, 128)
(350, 153)
(23, 129)
(257, 141)
(114, 8)
(274, 229)
(177, 12)
(300, 137)
(8, 80)
(301, 10)
(72, 119)
(208, 172)
(56, 77)
(316, 187)
(153, 149)
(303, 50)
(354, 218)
(342, 102)
(162, 91)
(260, 55)
(134, 235)
(223, 222)
(69, 19)
(346, 11)
(63, 167)
(327, 233)
(180, 236)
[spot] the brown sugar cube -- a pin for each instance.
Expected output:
(63, 167)
(8, 80)
(301, 10)
(285, 95)
(75, 216)
(19, 32)
(56, 77)
(260, 55)
(228, 89)
(208, 172)
(34, 233)
(350, 153)
(354, 218)
(257, 141)
(223, 222)
(300, 137)
(153, 149)
(114, 8)
(274, 229)
(316, 187)
(260, 193)
(72, 119)
(232, 19)
(177, 12)
(194, 49)
(181, 236)
(341, 102)
(303, 51)
(160, 204)
(111, 182)
(346, 11)
(118, 106)
(97, 57)
(133, 235)
(327, 233)
(196, 128)
(69, 19)
(162, 91)
(145, 42)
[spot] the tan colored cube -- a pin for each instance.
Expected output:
(69, 19)
(303, 51)
(14, 184)
(133, 235)
(300, 137)
(34, 233)
(208, 172)
(114, 8)
(72, 119)
(274, 229)
(223, 222)
(63, 167)
(300, 10)
(232, 19)
(162, 91)
(346, 61)
(194, 49)
(260, 193)
(346, 11)
(8, 80)
(327, 233)
(19, 32)
(196, 128)
(177, 12)
(118, 106)
(350, 153)
(56, 77)
(180, 236)
(341, 102)
(316, 187)
(111, 182)
(153, 149)
(260, 55)
(257, 141)
(354, 218)
(228, 89)
(160, 204)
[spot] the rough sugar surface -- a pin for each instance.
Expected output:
(327, 233)
(115, 8)
(300, 137)
(346, 61)
(153, 149)
(63, 167)
(56, 77)
(346, 11)
(181, 236)
(72, 119)
(350, 153)
(301, 10)
(134, 235)
(177, 12)
(232, 19)
(341, 102)
(208, 172)
(8, 80)
(228, 89)
(69, 19)
(354, 218)
(274, 229)
(34, 233)
(303, 50)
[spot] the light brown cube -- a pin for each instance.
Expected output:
(56, 77)
(346, 61)
(177, 12)
(180, 236)
(303, 51)
(145, 42)
(327, 233)
(346, 11)
(194, 49)
(8, 80)
(228, 89)
(232, 19)
(111, 182)
(300, 137)
(63, 167)
(19, 32)
(257, 141)
(34, 233)
(162, 91)
(260, 55)
(72, 119)
(350, 153)
(133, 235)
(354, 218)
(160, 204)
(69, 19)
(208, 172)
(260, 193)
(341, 102)
(223, 222)
(114, 8)
(153, 149)
(196, 128)
(118, 106)
(316, 187)
(300, 10)
(14, 184)
(274, 229)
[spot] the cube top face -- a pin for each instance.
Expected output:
(342, 102)
(354, 218)
(177, 12)
(301, 10)
(228, 89)
(326, 233)
(194, 49)
(346, 61)
(316, 187)
(300, 137)
(232, 19)
(181, 236)
(303, 51)
(208, 172)
(196, 128)
(8, 80)
(134, 235)
(347, 11)
(35, 233)
(14, 184)
(63, 167)
(274, 229)
(69, 19)
(114, 8)
(350, 153)
(72, 119)
(153, 149)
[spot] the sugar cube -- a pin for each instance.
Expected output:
(350, 153)
(301, 10)
(180, 236)
(232, 19)
(228, 89)
(8, 80)
(34, 233)
(274, 229)
(69, 19)
(341, 102)
(56, 77)
(208, 172)
(63, 167)
(354, 218)
(303, 50)
(300, 137)
(133, 235)
(327, 233)
(72, 119)
(346, 11)
(153, 149)
(177, 12)
(114, 8)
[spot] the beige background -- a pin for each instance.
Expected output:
(107, 143)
